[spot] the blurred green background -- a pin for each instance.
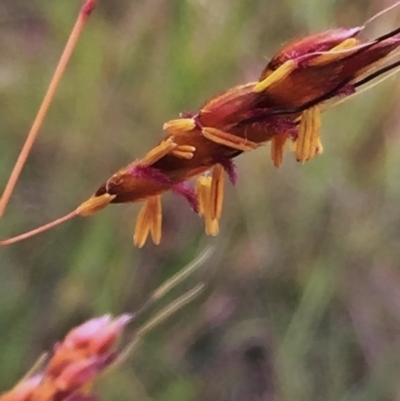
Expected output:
(303, 289)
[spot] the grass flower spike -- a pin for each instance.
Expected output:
(76, 361)
(284, 105)
(91, 348)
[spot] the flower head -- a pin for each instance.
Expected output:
(304, 78)
(76, 361)
(285, 104)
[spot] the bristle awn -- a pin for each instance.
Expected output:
(378, 15)
(173, 307)
(84, 14)
(176, 279)
(37, 367)
(159, 318)
(39, 230)
(86, 208)
(185, 272)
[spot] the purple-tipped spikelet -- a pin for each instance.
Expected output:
(76, 361)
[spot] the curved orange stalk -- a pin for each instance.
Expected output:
(39, 230)
(84, 14)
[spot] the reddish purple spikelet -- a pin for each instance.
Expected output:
(150, 173)
(81, 372)
(102, 330)
(307, 48)
(84, 353)
(83, 334)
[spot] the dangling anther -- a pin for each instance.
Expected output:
(149, 221)
(278, 143)
(203, 191)
(308, 144)
(217, 191)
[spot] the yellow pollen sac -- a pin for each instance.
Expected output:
(179, 126)
(158, 152)
(183, 151)
(227, 139)
(202, 185)
(94, 204)
(203, 191)
(278, 75)
(149, 221)
(336, 53)
(156, 212)
(278, 143)
(308, 144)
(217, 192)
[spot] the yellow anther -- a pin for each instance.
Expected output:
(278, 143)
(203, 186)
(149, 221)
(227, 139)
(179, 126)
(335, 53)
(210, 195)
(94, 204)
(158, 152)
(278, 75)
(183, 151)
(308, 144)
(156, 220)
(217, 192)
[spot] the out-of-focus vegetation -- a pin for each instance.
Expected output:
(303, 299)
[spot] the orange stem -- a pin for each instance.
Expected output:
(84, 14)
(39, 230)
